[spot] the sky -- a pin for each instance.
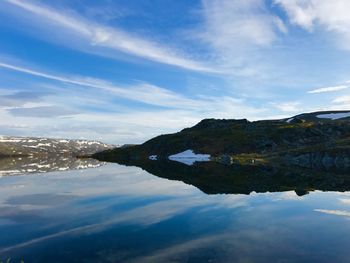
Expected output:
(125, 71)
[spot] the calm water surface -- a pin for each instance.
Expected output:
(114, 213)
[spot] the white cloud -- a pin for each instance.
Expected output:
(229, 23)
(120, 125)
(333, 16)
(341, 103)
(143, 92)
(222, 106)
(300, 12)
(329, 89)
(342, 100)
(288, 106)
(92, 35)
(239, 35)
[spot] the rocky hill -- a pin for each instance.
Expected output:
(26, 146)
(313, 140)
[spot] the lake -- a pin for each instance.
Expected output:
(177, 213)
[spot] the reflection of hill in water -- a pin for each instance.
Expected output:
(216, 178)
(32, 164)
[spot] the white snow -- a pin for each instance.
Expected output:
(189, 157)
(289, 120)
(153, 157)
(334, 116)
(88, 142)
(44, 144)
(25, 140)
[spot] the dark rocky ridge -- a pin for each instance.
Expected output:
(305, 140)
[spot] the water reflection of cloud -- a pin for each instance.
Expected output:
(177, 252)
(141, 216)
(114, 179)
(345, 201)
(290, 195)
(111, 196)
(248, 245)
(334, 212)
(36, 200)
(113, 186)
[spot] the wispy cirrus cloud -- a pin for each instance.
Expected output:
(43, 111)
(214, 106)
(92, 35)
(232, 31)
(144, 92)
(160, 110)
(20, 98)
(329, 89)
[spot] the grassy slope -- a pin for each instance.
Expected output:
(234, 137)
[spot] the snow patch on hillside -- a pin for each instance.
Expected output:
(189, 157)
(334, 116)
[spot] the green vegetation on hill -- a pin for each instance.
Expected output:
(303, 140)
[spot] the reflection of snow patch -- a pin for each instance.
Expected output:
(43, 166)
(189, 157)
(334, 116)
(153, 157)
(10, 140)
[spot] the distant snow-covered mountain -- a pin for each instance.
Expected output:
(26, 146)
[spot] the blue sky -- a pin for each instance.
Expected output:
(125, 71)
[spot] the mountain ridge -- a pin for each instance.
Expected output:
(28, 146)
(316, 139)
